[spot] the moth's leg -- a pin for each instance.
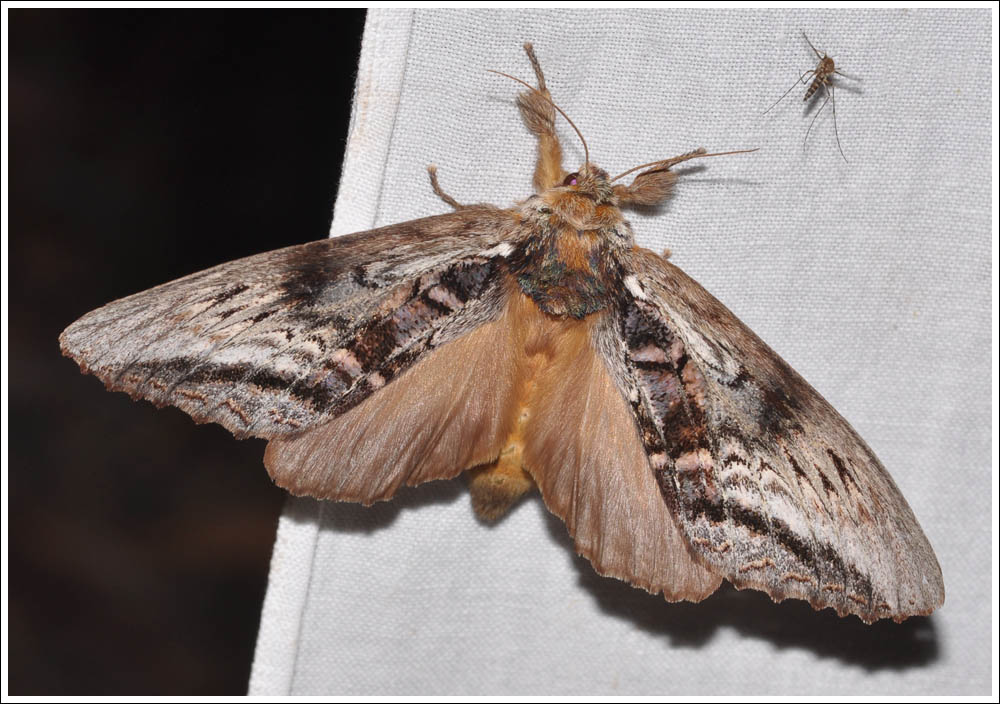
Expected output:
(433, 172)
(539, 116)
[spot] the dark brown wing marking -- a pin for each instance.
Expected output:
(271, 344)
(770, 485)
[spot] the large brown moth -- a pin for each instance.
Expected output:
(536, 345)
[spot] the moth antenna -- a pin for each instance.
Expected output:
(529, 49)
(804, 74)
(664, 164)
(818, 55)
(586, 152)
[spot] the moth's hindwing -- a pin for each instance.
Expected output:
(275, 343)
(771, 487)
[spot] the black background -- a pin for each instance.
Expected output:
(145, 145)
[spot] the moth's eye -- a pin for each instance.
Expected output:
(571, 179)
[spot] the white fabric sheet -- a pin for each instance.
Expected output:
(871, 277)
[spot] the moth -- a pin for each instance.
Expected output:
(536, 346)
(822, 75)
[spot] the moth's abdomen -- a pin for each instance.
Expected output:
(570, 431)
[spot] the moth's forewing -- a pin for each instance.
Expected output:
(273, 344)
(770, 485)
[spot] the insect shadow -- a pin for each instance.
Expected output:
(793, 624)
(822, 78)
(357, 518)
(884, 645)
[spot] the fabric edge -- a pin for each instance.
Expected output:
(381, 69)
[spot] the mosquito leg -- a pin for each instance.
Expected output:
(814, 120)
(806, 73)
(833, 103)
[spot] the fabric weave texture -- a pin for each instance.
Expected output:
(871, 277)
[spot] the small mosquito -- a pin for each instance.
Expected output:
(822, 76)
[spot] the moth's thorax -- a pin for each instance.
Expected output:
(572, 262)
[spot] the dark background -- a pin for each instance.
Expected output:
(145, 145)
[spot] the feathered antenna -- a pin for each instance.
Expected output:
(667, 163)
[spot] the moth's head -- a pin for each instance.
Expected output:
(590, 199)
(591, 182)
(650, 187)
(585, 199)
(653, 185)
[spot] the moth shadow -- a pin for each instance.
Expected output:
(356, 518)
(684, 176)
(884, 645)
(724, 181)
